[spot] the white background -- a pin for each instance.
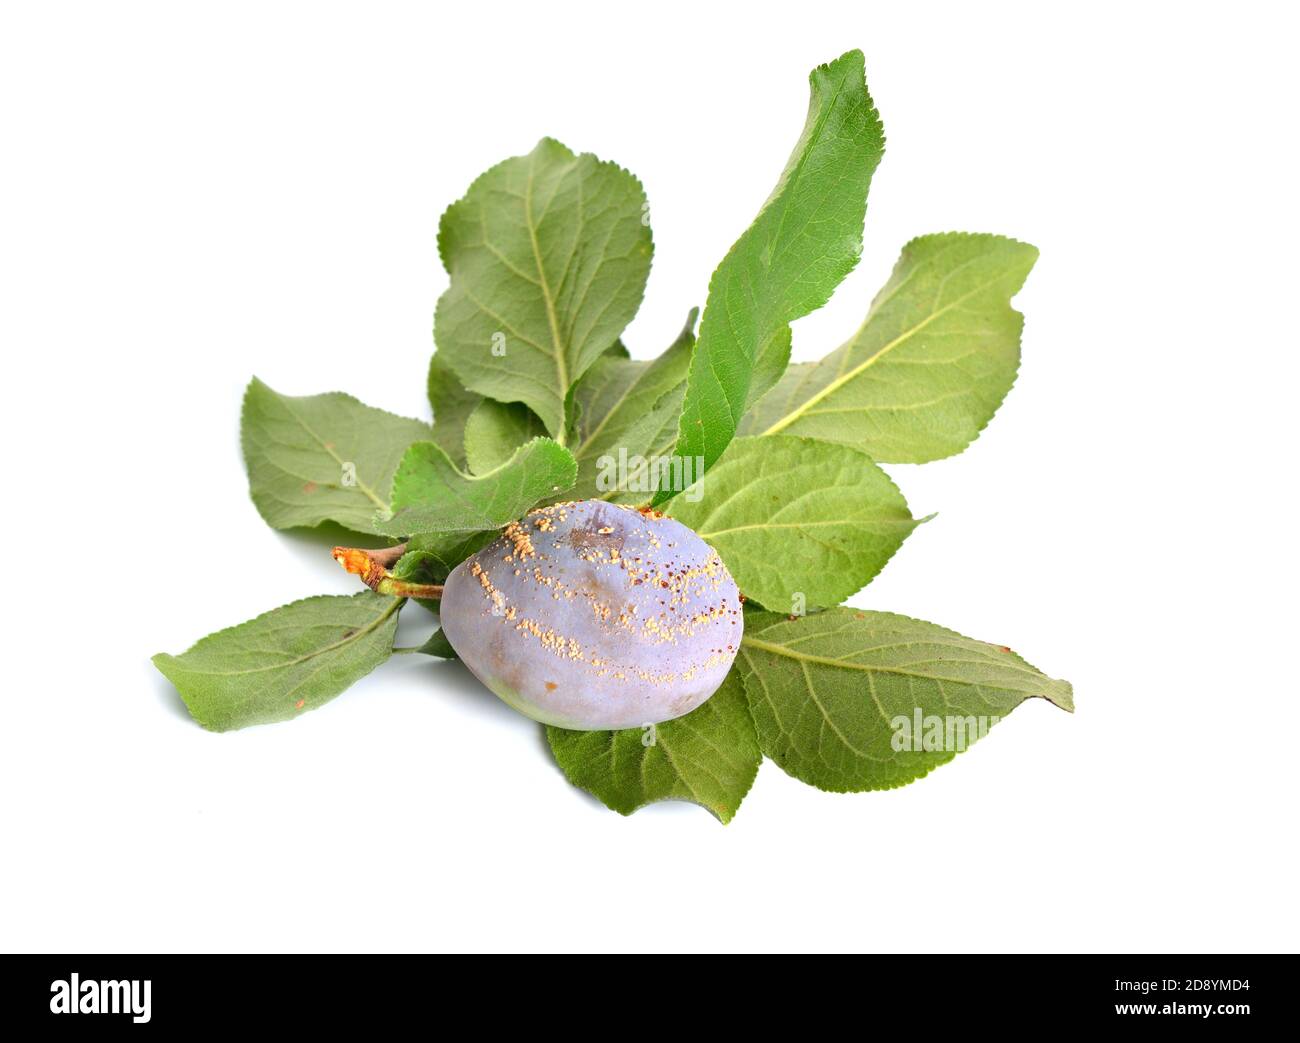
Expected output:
(196, 193)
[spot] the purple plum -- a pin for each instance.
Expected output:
(593, 615)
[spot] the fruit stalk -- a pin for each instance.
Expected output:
(372, 566)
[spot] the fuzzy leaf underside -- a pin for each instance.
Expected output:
(929, 366)
(548, 257)
(805, 240)
(285, 662)
(321, 458)
(797, 518)
(709, 757)
(432, 496)
(825, 691)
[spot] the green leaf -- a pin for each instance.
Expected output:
(709, 757)
(285, 662)
(770, 365)
(438, 646)
(548, 256)
(929, 367)
(431, 556)
(803, 243)
(423, 564)
(431, 495)
(631, 406)
(829, 693)
(426, 561)
(798, 522)
(452, 407)
(321, 458)
(495, 430)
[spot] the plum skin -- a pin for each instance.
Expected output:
(592, 615)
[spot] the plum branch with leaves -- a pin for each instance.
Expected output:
(668, 638)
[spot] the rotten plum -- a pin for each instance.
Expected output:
(592, 615)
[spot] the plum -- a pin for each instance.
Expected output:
(592, 615)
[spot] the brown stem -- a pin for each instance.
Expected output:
(372, 566)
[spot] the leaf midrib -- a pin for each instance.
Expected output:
(561, 367)
(581, 450)
(867, 363)
(841, 664)
(341, 642)
(840, 522)
(337, 459)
